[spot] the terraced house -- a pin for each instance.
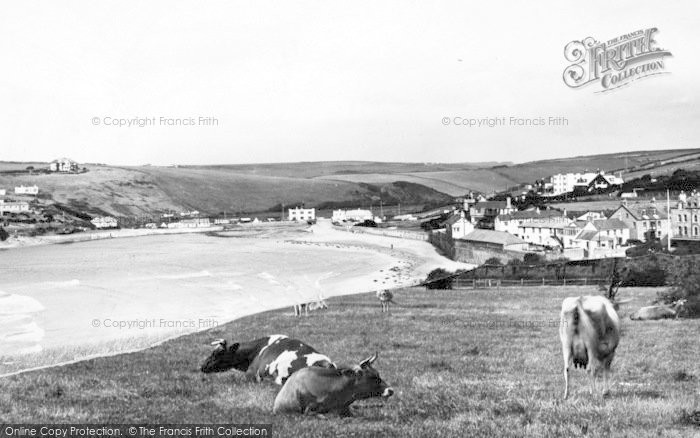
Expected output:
(685, 215)
(646, 220)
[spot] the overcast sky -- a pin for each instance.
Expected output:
(330, 80)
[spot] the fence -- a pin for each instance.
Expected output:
(487, 283)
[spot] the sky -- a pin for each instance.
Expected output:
(288, 81)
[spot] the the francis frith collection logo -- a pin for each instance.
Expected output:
(616, 62)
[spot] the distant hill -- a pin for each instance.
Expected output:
(146, 190)
(457, 181)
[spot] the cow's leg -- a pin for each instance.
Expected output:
(567, 364)
(606, 381)
(591, 372)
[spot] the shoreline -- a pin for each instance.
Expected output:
(385, 263)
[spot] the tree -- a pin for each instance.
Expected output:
(439, 279)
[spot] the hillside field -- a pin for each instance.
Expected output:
(262, 188)
(462, 362)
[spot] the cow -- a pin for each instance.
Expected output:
(275, 356)
(310, 306)
(673, 310)
(322, 390)
(385, 298)
(653, 312)
(590, 332)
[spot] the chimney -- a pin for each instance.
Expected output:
(508, 202)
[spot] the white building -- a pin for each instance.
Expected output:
(355, 215)
(191, 223)
(302, 214)
(567, 182)
(511, 222)
(458, 226)
(3, 192)
(547, 232)
(63, 165)
(27, 190)
(13, 207)
(102, 222)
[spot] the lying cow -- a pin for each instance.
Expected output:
(319, 390)
(653, 312)
(275, 356)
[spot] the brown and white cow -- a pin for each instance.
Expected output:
(589, 332)
(319, 390)
(275, 356)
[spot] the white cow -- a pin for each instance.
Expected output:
(589, 332)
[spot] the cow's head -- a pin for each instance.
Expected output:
(224, 358)
(367, 382)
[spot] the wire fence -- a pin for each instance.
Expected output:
(497, 283)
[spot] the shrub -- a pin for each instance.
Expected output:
(3, 234)
(532, 258)
(493, 261)
(684, 277)
(439, 279)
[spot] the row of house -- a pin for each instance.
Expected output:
(13, 206)
(577, 182)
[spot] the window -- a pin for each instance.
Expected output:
(695, 231)
(695, 218)
(685, 231)
(680, 231)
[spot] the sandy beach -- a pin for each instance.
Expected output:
(64, 302)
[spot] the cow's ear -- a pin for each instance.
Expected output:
(234, 347)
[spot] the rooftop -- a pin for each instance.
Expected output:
(490, 236)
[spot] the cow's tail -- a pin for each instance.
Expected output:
(578, 344)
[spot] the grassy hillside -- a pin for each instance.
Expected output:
(128, 191)
(496, 178)
(463, 363)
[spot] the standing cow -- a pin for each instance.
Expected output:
(589, 332)
(275, 356)
(319, 390)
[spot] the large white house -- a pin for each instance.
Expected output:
(511, 222)
(27, 190)
(102, 222)
(356, 215)
(302, 214)
(568, 182)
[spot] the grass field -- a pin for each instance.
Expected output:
(463, 363)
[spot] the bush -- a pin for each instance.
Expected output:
(646, 272)
(532, 258)
(3, 234)
(684, 277)
(439, 279)
(493, 261)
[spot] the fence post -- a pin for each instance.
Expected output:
(522, 282)
(565, 282)
(542, 281)
(585, 281)
(474, 283)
